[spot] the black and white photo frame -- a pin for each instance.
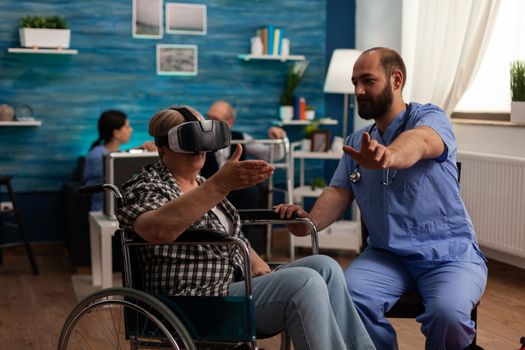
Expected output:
(190, 19)
(147, 19)
(177, 59)
(320, 141)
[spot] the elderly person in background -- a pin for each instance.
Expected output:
(308, 297)
(255, 197)
(224, 111)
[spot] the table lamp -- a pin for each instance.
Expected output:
(339, 78)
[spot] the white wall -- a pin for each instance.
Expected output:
(378, 23)
(491, 139)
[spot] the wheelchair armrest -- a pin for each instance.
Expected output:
(260, 214)
(267, 216)
(190, 237)
(205, 235)
(91, 189)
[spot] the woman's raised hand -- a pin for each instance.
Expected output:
(236, 174)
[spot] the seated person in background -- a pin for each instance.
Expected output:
(114, 130)
(254, 197)
(308, 297)
(223, 111)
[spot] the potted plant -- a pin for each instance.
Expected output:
(44, 32)
(294, 77)
(310, 112)
(517, 87)
(317, 182)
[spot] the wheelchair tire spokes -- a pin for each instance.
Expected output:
(123, 318)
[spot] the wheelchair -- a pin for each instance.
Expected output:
(129, 318)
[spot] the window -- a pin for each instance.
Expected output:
(489, 93)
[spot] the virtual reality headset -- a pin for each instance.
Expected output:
(195, 135)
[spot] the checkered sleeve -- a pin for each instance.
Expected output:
(140, 197)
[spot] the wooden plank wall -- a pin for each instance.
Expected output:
(114, 70)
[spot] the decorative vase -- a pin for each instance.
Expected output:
(337, 144)
(45, 38)
(7, 113)
(517, 112)
(310, 114)
(306, 145)
(286, 113)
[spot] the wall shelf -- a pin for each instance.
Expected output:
(42, 51)
(322, 121)
(248, 57)
(22, 123)
(317, 155)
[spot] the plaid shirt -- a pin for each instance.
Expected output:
(175, 269)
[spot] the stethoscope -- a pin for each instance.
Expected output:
(355, 176)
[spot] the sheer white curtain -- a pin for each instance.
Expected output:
(442, 43)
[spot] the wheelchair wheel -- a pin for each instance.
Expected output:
(123, 318)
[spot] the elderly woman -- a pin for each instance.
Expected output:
(308, 297)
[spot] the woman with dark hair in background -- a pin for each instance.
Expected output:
(114, 130)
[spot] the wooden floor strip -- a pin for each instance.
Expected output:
(33, 308)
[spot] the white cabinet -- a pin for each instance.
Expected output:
(342, 234)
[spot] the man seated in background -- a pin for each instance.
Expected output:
(253, 197)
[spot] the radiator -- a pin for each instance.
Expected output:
(493, 189)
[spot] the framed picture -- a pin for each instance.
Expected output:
(185, 18)
(176, 59)
(320, 141)
(147, 19)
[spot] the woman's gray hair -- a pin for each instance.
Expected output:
(166, 119)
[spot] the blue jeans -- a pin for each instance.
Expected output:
(450, 290)
(309, 298)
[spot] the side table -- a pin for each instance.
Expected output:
(101, 231)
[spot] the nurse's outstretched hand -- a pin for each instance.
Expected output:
(371, 154)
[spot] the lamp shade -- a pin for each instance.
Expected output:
(339, 75)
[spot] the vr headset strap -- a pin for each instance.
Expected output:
(163, 140)
(186, 114)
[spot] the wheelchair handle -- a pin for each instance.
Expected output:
(91, 189)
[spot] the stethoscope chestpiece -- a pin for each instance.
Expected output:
(355, 176)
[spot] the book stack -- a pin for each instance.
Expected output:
(272, 40)
(299, 108)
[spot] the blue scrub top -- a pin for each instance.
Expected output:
(420, 215)
(93, 174)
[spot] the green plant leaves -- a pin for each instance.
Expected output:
(51, 22)
(311, 128)
(295, 75)
(318, 182)
(517, 80)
